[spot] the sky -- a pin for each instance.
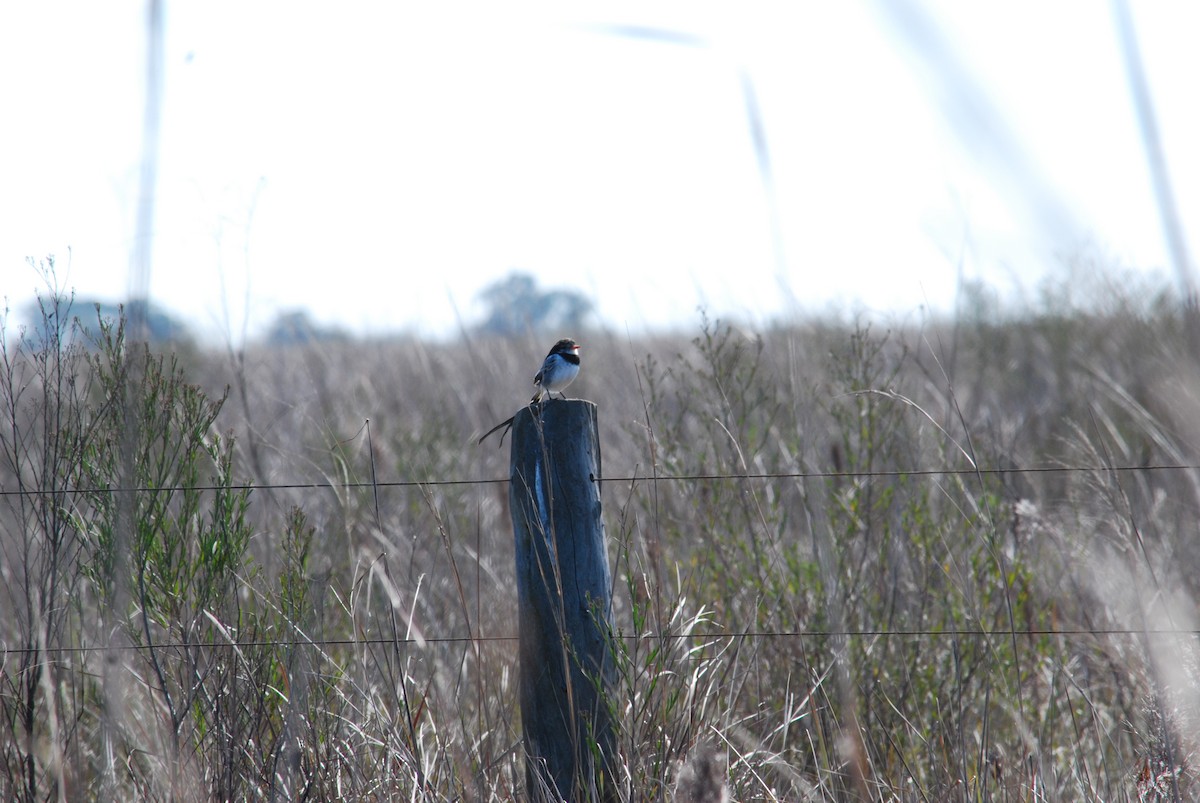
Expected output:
(378, 164)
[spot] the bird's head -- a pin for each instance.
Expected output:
(566, 346)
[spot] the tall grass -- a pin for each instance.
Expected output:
(883, 617)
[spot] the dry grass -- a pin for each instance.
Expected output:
(855, 629)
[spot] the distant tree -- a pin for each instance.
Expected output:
(161, 326)
(296, 327)
(516, 305)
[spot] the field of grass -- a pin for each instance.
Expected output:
(944, 561)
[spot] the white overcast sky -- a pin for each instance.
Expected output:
(379, 163)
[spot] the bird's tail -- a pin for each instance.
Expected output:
(506, 424)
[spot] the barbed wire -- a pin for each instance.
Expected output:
(698, 636)
(712, 477)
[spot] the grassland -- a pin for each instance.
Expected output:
(941, 561)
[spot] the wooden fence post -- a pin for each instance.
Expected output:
(564, 594)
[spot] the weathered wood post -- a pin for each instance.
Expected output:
(564, 595)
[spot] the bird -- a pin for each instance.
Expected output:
(559, 369)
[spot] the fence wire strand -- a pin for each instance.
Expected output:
(700, 636)
(632, 478)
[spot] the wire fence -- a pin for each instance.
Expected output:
(633, 478)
